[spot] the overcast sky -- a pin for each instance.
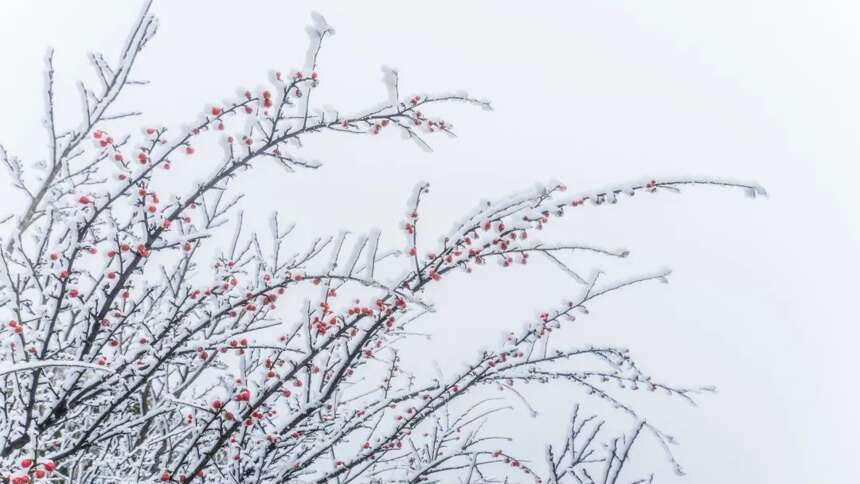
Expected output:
(762, 301)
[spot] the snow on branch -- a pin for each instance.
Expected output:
(128, 353)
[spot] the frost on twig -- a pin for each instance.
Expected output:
(134, 348)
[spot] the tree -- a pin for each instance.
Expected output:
(130, 355)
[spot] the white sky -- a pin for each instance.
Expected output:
(762, 300)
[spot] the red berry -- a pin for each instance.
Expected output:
(26, 463)
(165, 477)
(216, 111)
(189, 150)
(84, 199)
(49, 466)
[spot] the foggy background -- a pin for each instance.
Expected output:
(762, 300)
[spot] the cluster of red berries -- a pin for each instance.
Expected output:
(16, 326)
(239, 345)
(102, 138)
(40, 472)
(202, 353)
(377, 127)
(503, 358)
(243, 396)
(299, 76)
(434, 126)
